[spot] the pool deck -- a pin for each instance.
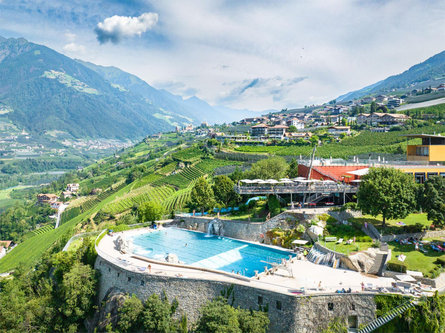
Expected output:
(315, 279)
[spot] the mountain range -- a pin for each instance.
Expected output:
(431, 72)
(42, 90)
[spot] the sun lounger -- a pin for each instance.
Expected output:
(340, 241)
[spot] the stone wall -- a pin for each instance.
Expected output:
(251, 231)
(344, 215)
(419, 235)
(287, 313)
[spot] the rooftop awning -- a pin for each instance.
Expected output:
(360, 172)
(300, 241)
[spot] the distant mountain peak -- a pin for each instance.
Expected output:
(429, 72)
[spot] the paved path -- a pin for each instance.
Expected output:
(59, 214)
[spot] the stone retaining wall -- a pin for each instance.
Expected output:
(287, 312)
(251, 231)
(424, 234)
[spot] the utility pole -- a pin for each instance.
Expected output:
(310, 171)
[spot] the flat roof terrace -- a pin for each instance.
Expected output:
(297, 274)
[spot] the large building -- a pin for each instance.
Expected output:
(431, 150)
(353, 173)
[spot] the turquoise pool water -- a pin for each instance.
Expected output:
(202, 250)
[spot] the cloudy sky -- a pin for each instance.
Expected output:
(253, 54)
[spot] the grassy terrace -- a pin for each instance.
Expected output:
(416, 260)
(421, 220)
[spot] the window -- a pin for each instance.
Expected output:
(422, 151)
(331, 306)
(431, 174)
(260, 300)
(142, 283)
(129, 279)
(353, 307)
(279, 305)
(118, 274)
(419, 177)
(442, 174)
(109, 269)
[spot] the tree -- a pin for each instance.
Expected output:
(202, 195)
(292, 172)
(150, 211)
(78, 290)
(271, 168)
(157, 315)
(218, 316)
(292, 129)
(236, 175)
(253, 321)
(224, 191)
(373, 107)
(129, 314)
(387, 191)
(432, 199)
(273, 205)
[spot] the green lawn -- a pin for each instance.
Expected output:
(5, 199)
(415, 260)
(347, 248)
(391, 225)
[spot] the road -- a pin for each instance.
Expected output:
(59, 214)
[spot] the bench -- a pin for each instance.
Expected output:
(330, 239)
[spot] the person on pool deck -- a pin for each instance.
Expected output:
(149, 268)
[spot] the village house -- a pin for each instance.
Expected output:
(277, 132)
(72, 187)
(394, 118)
(394, 102)
(295, 122)
(4, 246)
(47, 198)
(259, 130)
(338, 130)
(298, 135)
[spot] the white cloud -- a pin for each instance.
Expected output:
(74, 48)
(216, 47)
(70, 37)
(115, 28)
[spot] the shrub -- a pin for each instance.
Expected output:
(440, 261)
(396, 267)
(274, 205)
(351, 206)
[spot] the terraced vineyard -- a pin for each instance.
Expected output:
(151, 178)
(143, 194)
(42, 230)
(167, 169)
(179, 199)
(207, 166)
(188, 155)
(183, 178)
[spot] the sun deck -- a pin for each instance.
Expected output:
(296, 276)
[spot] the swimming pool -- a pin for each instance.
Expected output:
(207, 251)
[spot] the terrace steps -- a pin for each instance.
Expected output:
(379, 322)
